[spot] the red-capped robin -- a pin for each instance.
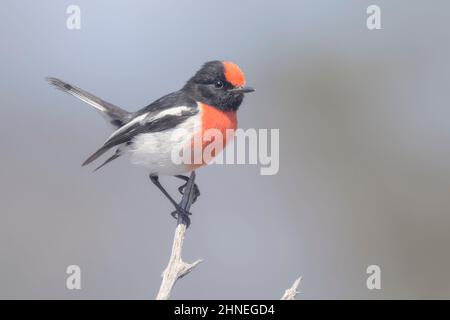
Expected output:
(209, 100)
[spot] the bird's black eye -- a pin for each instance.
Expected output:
(218, 84)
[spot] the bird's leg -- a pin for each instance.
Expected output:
(180, 212)
(183, 187)
(187, 200)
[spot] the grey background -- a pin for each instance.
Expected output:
(364, 175)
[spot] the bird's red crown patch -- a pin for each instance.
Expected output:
(233, 74)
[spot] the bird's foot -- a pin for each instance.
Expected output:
(183, 215)
(196, 191)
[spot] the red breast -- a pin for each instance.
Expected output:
(213, 118)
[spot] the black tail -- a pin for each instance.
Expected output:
(113, 114)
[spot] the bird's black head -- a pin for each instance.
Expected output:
(220, 84)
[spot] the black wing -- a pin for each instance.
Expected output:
(147, 122)
(177, 98)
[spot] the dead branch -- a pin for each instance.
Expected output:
(290, 293)
(177, 268)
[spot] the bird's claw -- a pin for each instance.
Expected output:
(183, 215)
(196, 191)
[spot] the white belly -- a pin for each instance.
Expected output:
(154, 150)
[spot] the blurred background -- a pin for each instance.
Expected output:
(364, 176)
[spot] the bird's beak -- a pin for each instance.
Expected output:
(242, 89)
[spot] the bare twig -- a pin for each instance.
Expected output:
(290, 293)
(176, 267)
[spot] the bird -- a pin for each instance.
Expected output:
(209, 100)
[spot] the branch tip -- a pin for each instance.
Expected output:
(290, 293)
